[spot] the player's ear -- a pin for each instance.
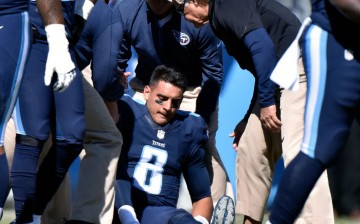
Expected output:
(147, 91)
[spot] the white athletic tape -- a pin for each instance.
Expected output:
(286, 72)
(201, 219)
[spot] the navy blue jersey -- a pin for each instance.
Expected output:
(233, 20)
(171, 41)
(325, 15)
(153, 157)
(98, 43)
(281, 25)
(15, 42)
(13, 6)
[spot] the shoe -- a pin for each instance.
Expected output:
(13, 222)
(224, 212)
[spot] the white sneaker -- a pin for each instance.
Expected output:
(224, 212)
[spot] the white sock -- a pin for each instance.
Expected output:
(36, 219)
(1, 212)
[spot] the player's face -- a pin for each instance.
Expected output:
(196, 12)
(162, 101)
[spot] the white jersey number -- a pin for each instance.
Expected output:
(148, 171)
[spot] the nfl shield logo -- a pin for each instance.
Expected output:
(160, 134)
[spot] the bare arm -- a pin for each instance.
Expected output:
(350, 8)
(59, 59)
(203, 207)
(50, 11)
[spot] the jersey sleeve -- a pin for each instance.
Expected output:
(248, 28)
(195, 169)
(98, 43)
(210, 51)
(123, 180)
(123, 183)
(123, 14)
(263, 55)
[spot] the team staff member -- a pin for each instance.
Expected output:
(14, 15)
(331, 51)
(160, 35)
(161, 143)
(257, 33)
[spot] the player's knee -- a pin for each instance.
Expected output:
(326, 157)
(29, 141)
(181, 216)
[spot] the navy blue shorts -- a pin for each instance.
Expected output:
(333, 95)
(14, 50)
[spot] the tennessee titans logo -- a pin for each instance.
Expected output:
(182, 38)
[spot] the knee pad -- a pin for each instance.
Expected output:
(29, 141)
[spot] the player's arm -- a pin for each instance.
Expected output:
(199, 190)
(249, 31)
(59, 59)
(50, 11)
(263, 55)
(123, 205)
(195, 170)
(350, 8)
(123, 201)
(123, 196)
(210, 50)
(99, 44)
(202, 210)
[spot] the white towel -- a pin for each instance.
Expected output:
(286, 72)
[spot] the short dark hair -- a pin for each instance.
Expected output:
(169, 75)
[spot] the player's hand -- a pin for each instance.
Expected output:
(269, 119)
(237, 133)
(59, 59)
(123, 79)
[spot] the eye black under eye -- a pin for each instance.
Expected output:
(159, 101)
(174, 103)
